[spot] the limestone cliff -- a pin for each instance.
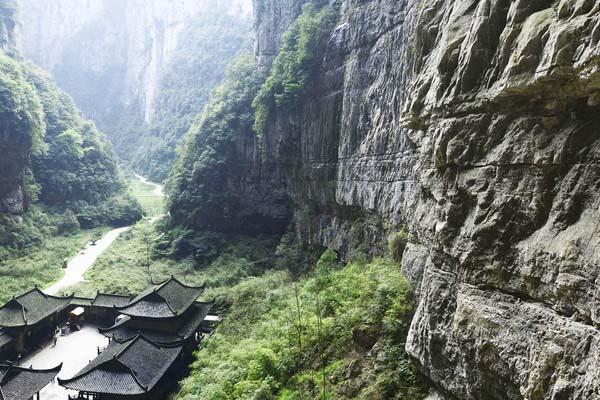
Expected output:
(9, 24)
(16, 125)
(503, 108)
(110, 55)
(475, 123)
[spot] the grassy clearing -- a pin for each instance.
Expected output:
(42, 265)
(152, 204)
(123, 268)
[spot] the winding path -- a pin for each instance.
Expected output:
(159, 190)
(83, 261)
(78, 266)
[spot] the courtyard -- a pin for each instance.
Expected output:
(74, 350)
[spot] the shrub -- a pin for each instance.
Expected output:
(211, 41)
(118, 211)
(68, 223)
(397, 243)
(280, 338)
(179, 242)
(200, 192)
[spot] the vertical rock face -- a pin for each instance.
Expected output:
(504, 109)
(114, 81)
(474, 122)
(272, 18)
(14, 146)
(9, 21)
(346, 157)
(14, 155)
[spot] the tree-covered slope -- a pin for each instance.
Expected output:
(54, 162)
(337, 333)
(21, 131)
(202, 186)
(208, 44)
(77, 164)
(142, 70)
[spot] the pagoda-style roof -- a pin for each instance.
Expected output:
(110, 300)
(81, 301)
(131, 368)
(125, 330)
(168, 299)
(30, 308)
(102, 300)
(18, 383)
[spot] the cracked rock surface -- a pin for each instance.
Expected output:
(475, 123)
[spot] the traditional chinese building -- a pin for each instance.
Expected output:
(158, 330)
(102, 309)
(134, 370)
(18, 383)
(166, 313)
(29, 319)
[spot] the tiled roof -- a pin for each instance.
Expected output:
(18, 383)
(166, 300)
(124, 330)
(102, 300)
(81, 301)
(30, 308)
(110, 300)
(130, 368)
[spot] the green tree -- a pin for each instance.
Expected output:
(210, 42)
(200, 193)
(295, 64)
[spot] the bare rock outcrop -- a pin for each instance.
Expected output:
(503, 107)
(475, 123)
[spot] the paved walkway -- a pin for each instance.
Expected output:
(78, 266)
(75, 351)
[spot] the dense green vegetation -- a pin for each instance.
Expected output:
(336, 334)
(20, 105)
(77, 167)
(21, 269)
(209, 43)
(72, 164)
(295, 64)
(71, 180)
(198, 188)
(124, 267)
(332, 331)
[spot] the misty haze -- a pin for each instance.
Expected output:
(299, 199)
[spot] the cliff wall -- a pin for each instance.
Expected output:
(16, 135)
(111, 55)
(475, 123)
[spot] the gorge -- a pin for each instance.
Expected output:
(457, 139)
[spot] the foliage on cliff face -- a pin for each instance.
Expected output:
(337, 334)
(66, 164)
(198, 188)
(22, 117)
(210, 42)
(295, 63)
(79, 164)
